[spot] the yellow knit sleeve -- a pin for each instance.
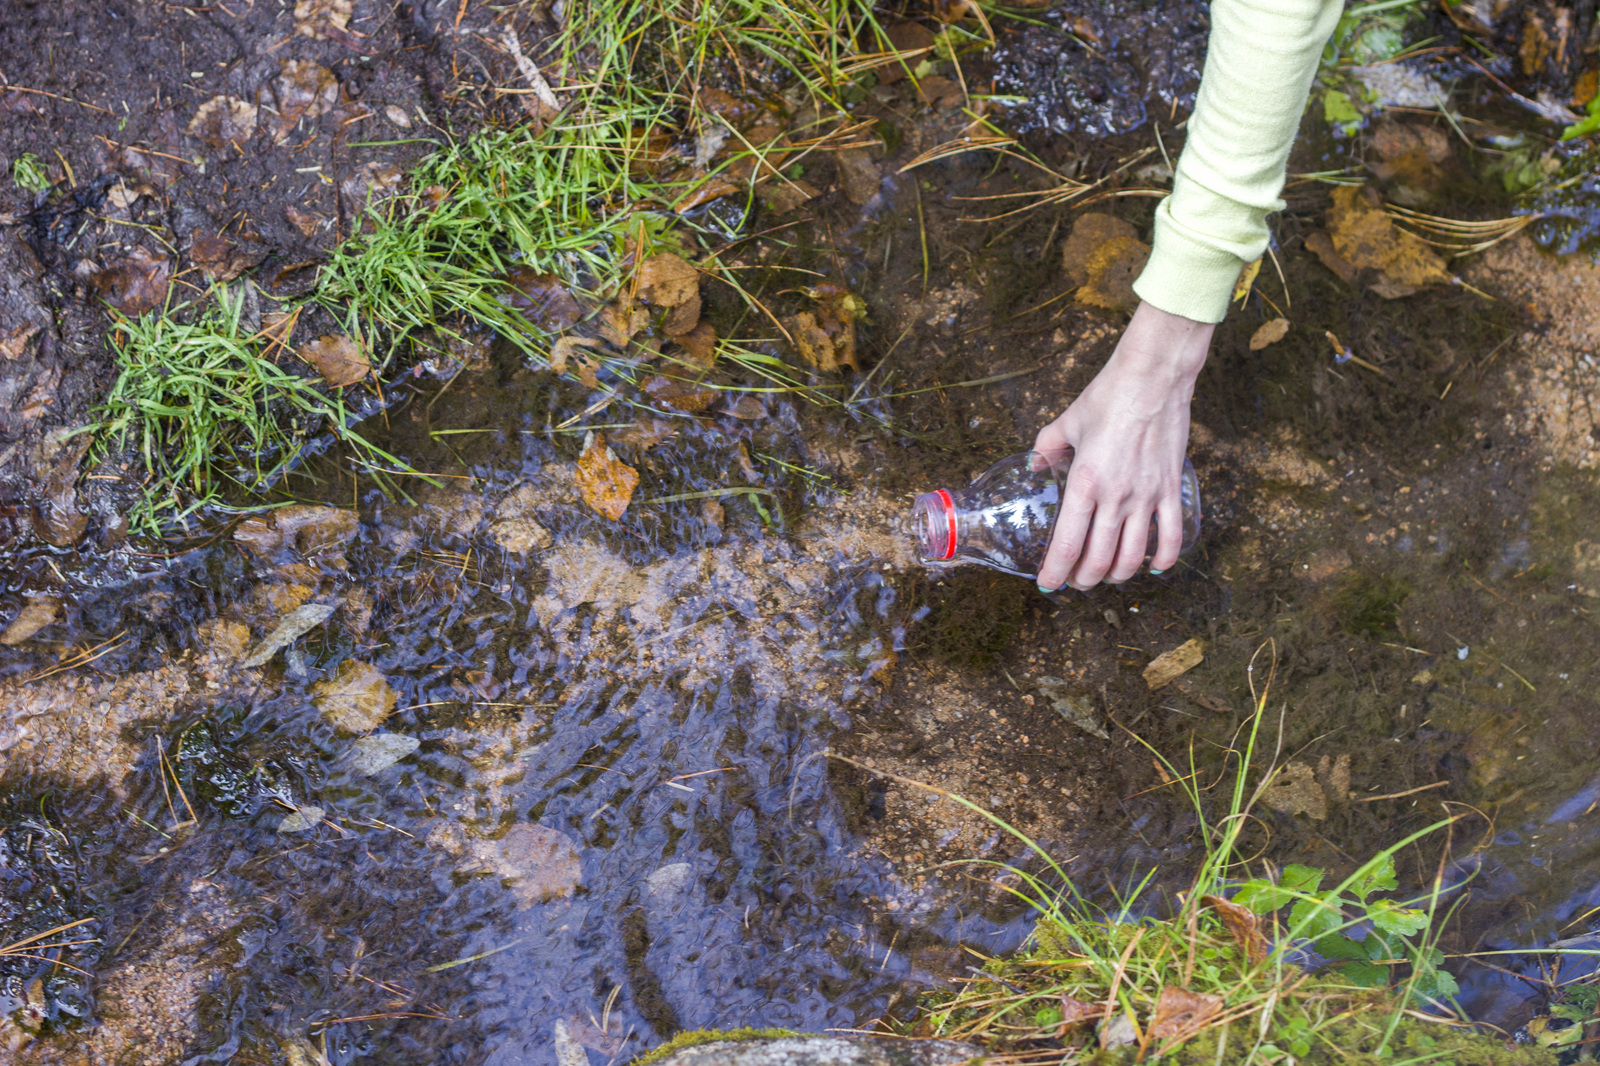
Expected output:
(1260, 59)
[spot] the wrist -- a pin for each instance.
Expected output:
(1161, 346)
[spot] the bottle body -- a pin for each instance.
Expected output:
(1005, 518)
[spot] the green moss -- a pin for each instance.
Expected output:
(696, 1037)
(1370, 606)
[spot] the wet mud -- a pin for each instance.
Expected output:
(470, 773)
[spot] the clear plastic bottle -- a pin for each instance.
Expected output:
(1004, 519)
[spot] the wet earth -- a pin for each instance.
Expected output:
(467, 772)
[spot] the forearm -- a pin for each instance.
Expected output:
(1260, 59)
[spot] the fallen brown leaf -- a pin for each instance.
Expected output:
(748, 409)
(1180, 1012)
(34, 616)
(337, 359)
(304, 221)
(937, 92)
(827, 338)
(313, 18)
(1320, 245)
(913, 41)
(679, 395)
(699, 345)
(605, 482)
(564, 348)
(1091, 230)
(1112, 270)
(544, 299)
(219, 258)
(304, 90)
(307, 529)
(356, 699)
(1167, 666)
(134, 284)
(666, 280)
(1243, 924)
(1365, 237)
(224, 122)
(647, 433)
(1269, 333)
(781, 197)
(14, 343)
(619, 324)
(1076, 1011)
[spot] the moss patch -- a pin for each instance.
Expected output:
(696, 1037)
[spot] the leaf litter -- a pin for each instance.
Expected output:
(605, 482)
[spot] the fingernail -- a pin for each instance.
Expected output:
(1155, 573)
(1045, 590)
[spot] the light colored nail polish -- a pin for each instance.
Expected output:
(1154, 572)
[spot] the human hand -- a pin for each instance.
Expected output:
(1129, 430)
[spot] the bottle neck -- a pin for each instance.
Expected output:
(935, 523)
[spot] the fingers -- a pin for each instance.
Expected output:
(1169, 523)
(1066, 543)
(1105, 538)
(1130, 550)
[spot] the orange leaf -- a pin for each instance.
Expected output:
(605, 482)
(1244, 925)
(337, 359)
(1180, 1012)
(1269, 333)
(667, 281)
(699, 345)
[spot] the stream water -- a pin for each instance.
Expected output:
(601, 809)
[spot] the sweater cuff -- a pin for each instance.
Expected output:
(1185, 276)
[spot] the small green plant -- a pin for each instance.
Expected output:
(28, 172)
(203, 404)
(1218, 979)
(1393, 934)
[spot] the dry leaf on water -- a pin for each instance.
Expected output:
(224, 122)
(1363, 236)
(1180, 1012)
(1243, 924)
(337, 359)
(357, 699)
(1269, 333)
(1294, 790)
(605, 482)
